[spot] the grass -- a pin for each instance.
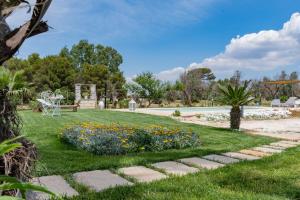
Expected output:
(43, 131)
(273, 178)
(276, 177)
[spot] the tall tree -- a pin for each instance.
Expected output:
(236, 78)
(193, 82)
(95, 74)
(82, 53)
(86, 56)
(147, 86)
(87, 53)
(294, 88)
(53, 72)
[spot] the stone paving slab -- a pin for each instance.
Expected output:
(221, 159)
(282, 144)
(241, 156)
(274, 147)
(267, 150)
(255, 153)
(290, 142)
(201, 163)
(283, 136)
(175, 168)
(99, 180)
(55, 184)
(142, 174)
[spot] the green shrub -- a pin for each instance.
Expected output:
(124, 103)
(176, 113)
(284, 98)
(115, 139)
(35, 106)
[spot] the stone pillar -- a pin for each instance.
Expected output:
(77, 93)
(93, 92)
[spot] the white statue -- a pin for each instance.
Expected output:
(101, 105)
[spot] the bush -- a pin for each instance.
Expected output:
(115, 139)
(124, 103)
(284, 98)
(176, 113)
(35, 106)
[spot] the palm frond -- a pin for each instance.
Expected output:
(8, 146)
(235, 96)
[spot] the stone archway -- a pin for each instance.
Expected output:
(90, 102)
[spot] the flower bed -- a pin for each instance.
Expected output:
(249, 115)
(115, 139)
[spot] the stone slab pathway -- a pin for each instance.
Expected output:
(291, 142)
(175, 168)
(255, 153)
(99, 180)
(267, 150)
(201, 163)
(55, 184)
(221, 159)
(284, 136)
(274, 147)
(142, 174)
(283, 144)
(241, 156)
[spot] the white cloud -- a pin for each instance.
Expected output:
(262, 51)
(170, 75)
(265, 50)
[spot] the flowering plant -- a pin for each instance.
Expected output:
(115, 139)
(267, 114)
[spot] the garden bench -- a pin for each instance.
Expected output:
(73, 107)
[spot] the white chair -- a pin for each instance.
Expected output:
(47, 107)
(50, 103)
(291, 102)
(275, 103)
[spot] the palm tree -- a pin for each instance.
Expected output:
(236, 97)
(12, 86)
(11, 40)
(19, 162)
(9, 183)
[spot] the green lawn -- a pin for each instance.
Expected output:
(277, 177)
(59, 158)
(273, 178)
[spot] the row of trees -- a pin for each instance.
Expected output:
(83, 63)
(201, 84)
(89, 63)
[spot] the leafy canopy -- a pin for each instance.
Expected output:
(147, 86)
(235, 96)
(11, 83)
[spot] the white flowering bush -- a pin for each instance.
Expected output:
(254, 114)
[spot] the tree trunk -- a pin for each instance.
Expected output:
(149, 103)
(9, 119)
(235, 118)
(188, 99)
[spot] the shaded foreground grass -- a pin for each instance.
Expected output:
(56, 157)
(276, 177)
(273, 178)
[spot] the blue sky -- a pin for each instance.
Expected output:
(167, 37)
